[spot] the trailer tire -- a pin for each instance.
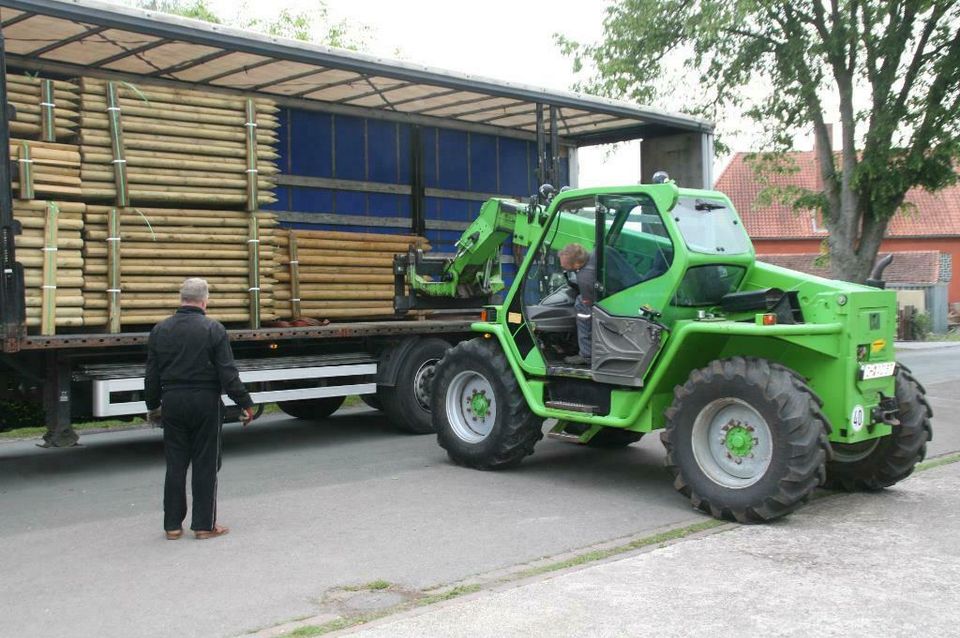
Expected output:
(507, 430)
(407, 403)
(312, 409)
(892, 458)
(746, 440)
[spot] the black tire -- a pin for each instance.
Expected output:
(880, 463)
(372, 400)
(792, 440)
(312, 409)
(513, 430)
(407, 403)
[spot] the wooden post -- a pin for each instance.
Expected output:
(295, 306)
(253, 240)
(116, 143)
(48, 129)
(48, 320)
(113, 271)
(25, 166)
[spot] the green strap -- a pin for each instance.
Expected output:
(295, 304)
(25, 164)
(113, 270)
(48, 308)
(48, 129)
(116, 143)
(253, 265)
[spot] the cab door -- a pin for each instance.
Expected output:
(634, 256)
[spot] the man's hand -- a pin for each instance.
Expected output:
(247, 415)
(153, 418)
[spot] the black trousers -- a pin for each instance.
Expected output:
(192, 423)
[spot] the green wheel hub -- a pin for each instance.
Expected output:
(739, 439)
(480, 404)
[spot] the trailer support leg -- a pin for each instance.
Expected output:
(56, 403)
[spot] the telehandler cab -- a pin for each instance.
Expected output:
(765, 382)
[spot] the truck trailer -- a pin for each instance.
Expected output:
(363, 145)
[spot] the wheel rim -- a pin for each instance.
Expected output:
(421, 382)
(853, 452)
(471, 408)
(732, 443)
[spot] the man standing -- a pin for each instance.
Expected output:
(189, 364)
(576, 258)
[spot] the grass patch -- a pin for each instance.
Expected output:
(327, 627)
(450, 594)
(937, 462)
(374, 585)
(37, 432)
(601, 554)
(950, 336)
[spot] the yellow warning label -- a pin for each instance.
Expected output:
(514, 317)
(878, 345)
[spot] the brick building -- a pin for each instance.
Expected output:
(925, 242)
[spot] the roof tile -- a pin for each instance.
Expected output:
(936, 214)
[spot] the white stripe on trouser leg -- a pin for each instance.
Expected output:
(216, 467)
(579, 316)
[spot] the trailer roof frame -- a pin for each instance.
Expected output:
(214, 45)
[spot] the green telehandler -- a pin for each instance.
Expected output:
(764, 382)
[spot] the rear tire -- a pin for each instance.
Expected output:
(879, 463)
(408, 402)
(480, 414)
(745, 440)
(312, 409)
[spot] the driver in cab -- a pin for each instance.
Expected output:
(576, 258)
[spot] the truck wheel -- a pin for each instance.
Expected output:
(745, 440)
(408, 402)
(879, 463)
(481, 417)
(312, 409)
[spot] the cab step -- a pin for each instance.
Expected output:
(573, 407)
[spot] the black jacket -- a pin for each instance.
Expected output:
(189, 350)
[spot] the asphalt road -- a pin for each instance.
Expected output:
(314, 506)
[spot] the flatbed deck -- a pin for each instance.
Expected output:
(330, 331)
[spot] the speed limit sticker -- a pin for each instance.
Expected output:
(857, 418)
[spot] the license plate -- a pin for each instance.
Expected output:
(877, 370)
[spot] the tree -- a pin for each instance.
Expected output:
(309, 26)
(892, 67)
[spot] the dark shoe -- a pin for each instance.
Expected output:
(576, 360)
(174, 534)
(211, 533)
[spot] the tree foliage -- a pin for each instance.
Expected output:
(310, 25)
(891, 68)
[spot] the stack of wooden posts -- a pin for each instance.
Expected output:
(337, 275)
(50, 250)
(46, 110)
(160, 247)
(171, 146)
(45, 169)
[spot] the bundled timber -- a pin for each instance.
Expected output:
(46, 110)
(50, 249)
(45, 169)
(143, 144)
(337, 275)
(135, 260)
